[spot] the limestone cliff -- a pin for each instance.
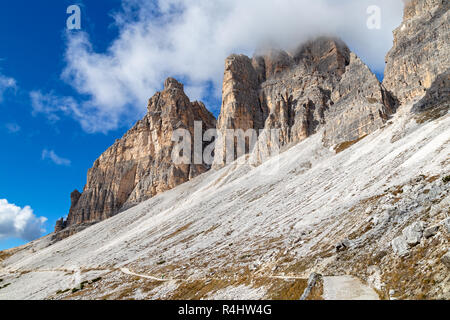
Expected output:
(139, 166)
(300, 92)
(241, 107)
(421, 49)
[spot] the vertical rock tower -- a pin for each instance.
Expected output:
(139, 165)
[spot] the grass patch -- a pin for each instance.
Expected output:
(177, 232)
(432, 179)
(345, 145)
(287, 289)
(5, 255)
(211, 229)
(198, 289)
(431, 114)
(62, 291)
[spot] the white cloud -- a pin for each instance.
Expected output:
(190, 39)
(16, 222)
(52, 156)
(12, 127)
(92, 119)
(6, 83)
(52, 106)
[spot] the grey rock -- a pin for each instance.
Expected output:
(431, 232)
(313, 281)
(413, 234)
(343, 245)
(60, 225)
(358, 110)
(436, 102)
(446, 224)
(400, 246)
(446, 259)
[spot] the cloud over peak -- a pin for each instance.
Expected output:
(190, 39)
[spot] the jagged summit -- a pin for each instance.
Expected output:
(172, 83)
(303, 92)
(374, 207)
(139, 165)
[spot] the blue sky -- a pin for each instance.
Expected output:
(65, 96)
(31, 50)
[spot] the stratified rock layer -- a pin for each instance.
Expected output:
(241, 108)
(421, 49)
(361, 105)
(139, 165)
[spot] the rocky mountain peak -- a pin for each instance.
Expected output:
(301, 92)
(139, 165)
(324, 54)
(172, 83)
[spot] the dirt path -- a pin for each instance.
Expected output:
(286, 277)
(347, 288)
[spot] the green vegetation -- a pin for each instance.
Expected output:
(446, 179)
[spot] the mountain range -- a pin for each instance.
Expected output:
(354, 205)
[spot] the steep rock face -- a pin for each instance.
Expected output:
(300, 92)
(421, 49)
(358, 110)
(139, 165)
(241, 108)
(437, 96)
(297, 96)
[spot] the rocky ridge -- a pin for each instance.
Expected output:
(139, 165)
(299, 93)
